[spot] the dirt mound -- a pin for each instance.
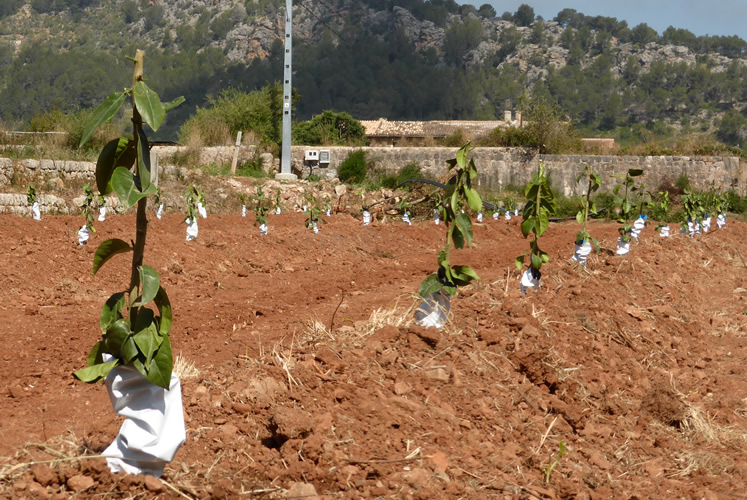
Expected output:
(311, 378)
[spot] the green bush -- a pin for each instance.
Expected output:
(354, 168)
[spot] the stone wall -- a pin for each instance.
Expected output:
(501, 167)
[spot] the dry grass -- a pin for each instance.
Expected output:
(395, 316)
(185, 369)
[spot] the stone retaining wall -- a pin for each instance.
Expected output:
(501, 167)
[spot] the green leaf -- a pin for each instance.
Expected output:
(430, 285)
(94, 355)
(527, 226)
(150, 283)
(462, 275)
(580, 217)
(112, 310)
(107, 250)
(123, 183)
(473, 199)
(456, 236)
(543, 222)
(117, 153)
(149, 105)
(143, 159)
(115, 337)
(519, 261)
(103, 113)
(461, 157)
(168, 106)
(164, 308)
(96, 372)
(159, 370)
(536, 261)
(595, 242)
(146, 335)
(465, 227)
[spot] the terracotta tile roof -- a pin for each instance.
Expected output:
(385, 128)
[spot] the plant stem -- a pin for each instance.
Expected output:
(142, 220)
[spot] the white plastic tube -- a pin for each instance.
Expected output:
(243, 210)
(102, 214)
(664, 232)
(581, 252)
(153, 430)
(159, 212)
(366, 217)
(315, 227)
(721, 220)
(83, 234)
(191, 228)
(529, 282)
(277, 210)
(263, 229)
(434, 310)
(638, 226)
(436, 217)
(706, 224)
(35, 210)
(406, 219)
(508, 215)
(623, 247)
(479, 216)
(496, 215)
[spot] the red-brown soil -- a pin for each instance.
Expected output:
(312, 371)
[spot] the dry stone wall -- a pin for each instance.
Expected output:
(503, 167)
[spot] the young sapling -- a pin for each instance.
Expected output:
(437, 288)
(191, 198)
(583, 238)
(33, 200)
(626, 207)
(692, 208)
(539, 207)
(662, 227)
(158, 203)
(86, 210)
(366, 215)
(404, 207)
(555, 463)
(101, 200)
(259, 212)
(242, 199)
(134, 352)
(277, 202)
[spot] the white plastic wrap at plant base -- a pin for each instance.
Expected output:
(35, 210)
(328, 212)
(243, 210)
(528, 281)
(191, 228)
(406, 219)
(201, 210)
(434, 310)
(581, 252)
(508, 215)
(706, 224)
(638, 226)
(664, 232)
(366, 217)
(315, 227)
(153, 430)
(496, 215)
(102, 214)
(262, 229)
(436, 217)
(696, 228)
(623, 247)
(83, 234)
(516, 212)
(479, 216)
(721, 220)
(277, 210)
(159, 212)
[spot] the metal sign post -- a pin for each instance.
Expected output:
(285, 156)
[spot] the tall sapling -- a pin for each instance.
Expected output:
(87, 228)
(191, 199)
(626, 207)
(583, 238)
(135, 341)
(437, 288)
(33, 200)
(539, 207)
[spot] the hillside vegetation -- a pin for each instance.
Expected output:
(399, 59)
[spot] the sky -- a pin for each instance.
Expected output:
(701, 17)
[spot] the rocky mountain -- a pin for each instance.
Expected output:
(460, 59)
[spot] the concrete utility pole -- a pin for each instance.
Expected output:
(285, 160)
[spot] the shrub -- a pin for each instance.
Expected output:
(354, 168)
